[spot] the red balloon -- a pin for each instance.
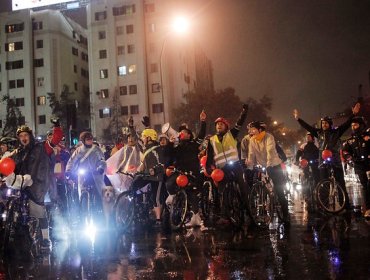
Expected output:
(217, 175)
(169, 171)
(303, 163)
(182, 181)
(203, 161)
(7, 166)
(326, 154)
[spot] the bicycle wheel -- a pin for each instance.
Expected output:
(178, 210)
(207, 201)
(9, 227)
(331, 197)
(35, 236)
(259, 204)
(233, 204)
(123, 212)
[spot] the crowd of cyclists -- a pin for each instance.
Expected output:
(49, 166)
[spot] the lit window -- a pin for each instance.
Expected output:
(11, 47)
(105, 113)
(122, 71)
(41, 100)
(104, 93)
(103, 73)
(132, 69)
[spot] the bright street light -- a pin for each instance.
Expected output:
(180, 25)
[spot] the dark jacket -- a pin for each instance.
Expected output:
(186, 153)
(358, 149)
(33, 160)
(328, 139)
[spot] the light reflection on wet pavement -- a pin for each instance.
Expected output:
(314, 247)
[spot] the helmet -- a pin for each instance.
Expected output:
(257, 124)
(24, 128)
(359, 120)
(149, 132)
(49, 132)
(9, 141)
(85, 135)
(327, 119)
(224, 121)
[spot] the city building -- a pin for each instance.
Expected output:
(126, 60)
(138, 64)
(43, 53)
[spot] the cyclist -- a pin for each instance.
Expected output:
(310, 152)
(88, 156)
(33, 170)
(329, 138)
(223, 154)
(262, 151)
(7, 145)
(150, 164)
(357, 150)
(186, 159)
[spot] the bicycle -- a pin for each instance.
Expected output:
(132, 205)
(17, 219)
(330, 195)
(308, 183)
(263, 202)
(179, 207)
(90, 202)
(208, 200)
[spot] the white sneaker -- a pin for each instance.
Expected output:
(195, 220)
(169, 199)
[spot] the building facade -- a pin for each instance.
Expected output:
(42, 54)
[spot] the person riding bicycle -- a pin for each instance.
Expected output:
(33, 173)
(87, 157)
(310, 152)
(223, 154)
(356, 149)
(329, 139)
(151, 165)
(7, 146)
(262, 151)
(185, 155)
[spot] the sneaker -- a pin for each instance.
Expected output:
(195, 221)
(169, 199)
(45, 244)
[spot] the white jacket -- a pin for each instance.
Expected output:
(263, 152)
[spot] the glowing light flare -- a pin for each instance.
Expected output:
(180, 25)
(90, 231)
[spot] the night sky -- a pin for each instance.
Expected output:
(306, 54)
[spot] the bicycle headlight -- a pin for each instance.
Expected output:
(81, 171)
(230, 162)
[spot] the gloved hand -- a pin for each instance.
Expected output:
(100, 170)
(55, 121)
(146, 121)
(245, 108)
(17, 182)
(67, 175)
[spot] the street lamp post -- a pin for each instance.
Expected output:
(180, 25)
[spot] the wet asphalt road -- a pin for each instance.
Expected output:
(314, 247)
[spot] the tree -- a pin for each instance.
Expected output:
(114, 128)
(14, 117)
(223, 103)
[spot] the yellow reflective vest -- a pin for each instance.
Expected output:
(224, 151)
